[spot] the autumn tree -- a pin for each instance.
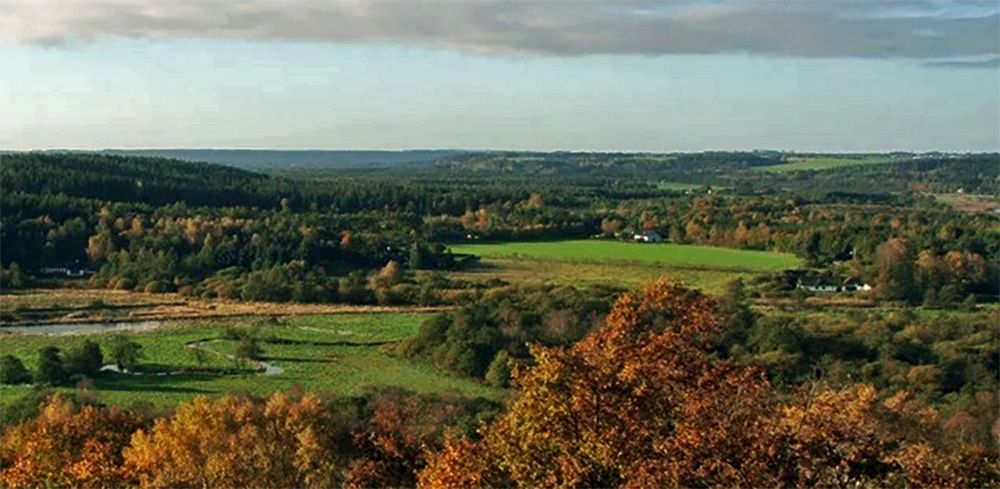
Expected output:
(894, 264)
(233, 442)
(643, 402)
(67, 447)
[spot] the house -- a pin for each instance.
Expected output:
(648, 237)
(66, 272)
(847, 288)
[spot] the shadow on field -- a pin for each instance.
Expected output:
(285, 341)
(135, 383)
(296, 359)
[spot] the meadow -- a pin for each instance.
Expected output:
(585, 273)
(68, 305)
(679, 186)
(665, 255)
(333, 354)
(972, 203)
(824, 163)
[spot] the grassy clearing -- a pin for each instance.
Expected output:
(823, 163)
(973, 203)
(664, 255)
(580, 273)
(679, 186)
(335, 354)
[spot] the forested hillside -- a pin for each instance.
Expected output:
(279, 160)
(836, 325)
(165, 225)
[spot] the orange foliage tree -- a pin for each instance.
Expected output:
(644, 402)
(67, 447)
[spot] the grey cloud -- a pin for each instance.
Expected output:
(816, 29)
(987, 63)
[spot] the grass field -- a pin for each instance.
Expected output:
(823, 163)
(336, 354)
(973, 203)
(577, 273)
(679, 186)
(664, 255)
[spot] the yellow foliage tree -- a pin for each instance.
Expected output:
(235, 442)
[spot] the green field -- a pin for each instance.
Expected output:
(824, 163)
(577, 273)
(679, 186)
(667, 255)
(336, 354)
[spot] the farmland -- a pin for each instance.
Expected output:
(665, 255)
(824, 163)
(337, 354)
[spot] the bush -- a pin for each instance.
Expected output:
(12, 371)
(156, 287)
(122, 283)
(249, 349)
(11, 278)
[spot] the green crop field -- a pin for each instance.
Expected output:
(665, 254)
(337, 354)
(824, 163)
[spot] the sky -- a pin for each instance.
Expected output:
(798, 75)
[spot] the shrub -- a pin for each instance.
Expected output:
(122, 283)
(248, 348)
(156, 287)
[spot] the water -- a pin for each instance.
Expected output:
(82, 328)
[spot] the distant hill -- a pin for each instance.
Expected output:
(265, 159)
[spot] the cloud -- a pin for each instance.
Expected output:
(992, 62)
(800, 28)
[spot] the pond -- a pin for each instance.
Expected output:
(82, 328)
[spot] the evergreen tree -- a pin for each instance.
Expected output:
(50, 367)
(12, 371)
